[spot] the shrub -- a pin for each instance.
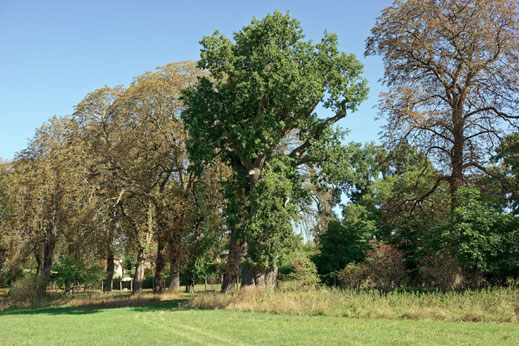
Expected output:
(24, 289)
(345, 243)
(69, 272)
(384, 265)
(441, 270)
(353, 276)
(300, 271)
(93, 275)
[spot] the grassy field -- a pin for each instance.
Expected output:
(169, 323)
(324, 316)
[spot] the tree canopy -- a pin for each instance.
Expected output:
(452, 72)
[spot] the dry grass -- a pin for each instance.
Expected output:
(493, 304)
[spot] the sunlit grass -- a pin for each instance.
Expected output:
(493, 304)
(171, 323)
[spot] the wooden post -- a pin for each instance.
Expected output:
(131, 285)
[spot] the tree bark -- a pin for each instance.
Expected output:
(174, 273)
(48, 254)
(260, 277)
(456, 179)
(159, 285)
(232, 269)
(39, 264)
(138, 278)
(110, 267)
(190, 286)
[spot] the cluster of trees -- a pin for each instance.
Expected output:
(443, 189)
(230, 154)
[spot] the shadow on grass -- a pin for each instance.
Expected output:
(143, 305)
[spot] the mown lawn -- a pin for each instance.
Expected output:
(167, 323)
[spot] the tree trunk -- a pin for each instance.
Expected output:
(456, 179)
(190, 286)
(248, 277)
(232, 269)
(259, 277)
(48, 254)
(158, 283)
(138, 277)
(174, 273)
(238, 246)
(68, 289)
(38, 254)
(110, 267)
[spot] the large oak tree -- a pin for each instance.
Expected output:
(265, 85)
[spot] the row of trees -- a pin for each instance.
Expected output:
(230, 153)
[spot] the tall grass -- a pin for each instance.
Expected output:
(492, 304)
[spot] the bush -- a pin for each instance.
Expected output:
(385, 265)
(343, 243)
(300, 271)
(93, 275)
(69, 272)
(25, 289)
(441, 270)
(353, 276)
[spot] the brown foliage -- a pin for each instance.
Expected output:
(452, 68)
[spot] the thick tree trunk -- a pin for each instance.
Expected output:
(48, 254)
(110, 268)
(138, 277)
(265, 277)
(259, 277)
(457, 157)
(238, 246)
(158, 284)
(174, 273)
(248, 277)
(232, 269)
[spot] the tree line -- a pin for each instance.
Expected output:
(228, 154)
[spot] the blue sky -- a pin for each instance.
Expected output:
(52, 53)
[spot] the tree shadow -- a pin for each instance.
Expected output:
(142, 305)
(52, 311)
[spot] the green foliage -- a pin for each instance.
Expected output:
(508, 157)
(265, 83)
(299, 270)
(344, 243)
(259, 100)
(486, 241)
(270, 230)
(70, 271)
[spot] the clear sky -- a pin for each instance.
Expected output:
(52, 53)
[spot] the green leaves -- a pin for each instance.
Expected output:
(265, 84)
